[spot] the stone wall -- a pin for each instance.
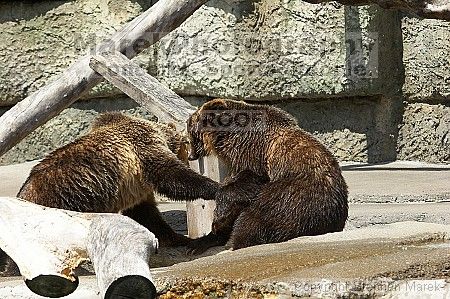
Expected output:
(372, 84)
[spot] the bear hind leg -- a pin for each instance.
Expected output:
(147, 214)
(248, 231)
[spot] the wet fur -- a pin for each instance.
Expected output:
(305, 193)
(117, 167)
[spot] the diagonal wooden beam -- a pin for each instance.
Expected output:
(147, 91)
(168, 107)
(35, 110)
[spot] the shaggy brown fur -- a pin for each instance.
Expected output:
(237, 194)
(116, 167)
(305, 193)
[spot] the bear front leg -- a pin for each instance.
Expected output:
(202, 244)
(231, 200)
(238, 193)
(222, 228)
(174, 179)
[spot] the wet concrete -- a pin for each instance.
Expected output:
(369, 262)
(366, 256)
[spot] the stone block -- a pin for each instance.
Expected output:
(265, 50)
(64, 128)
(426, 48)
(425, 133)
(40, 39)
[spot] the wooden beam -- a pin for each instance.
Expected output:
(35, 110)
(143, 88)
(120, 250)
(167, 106)
(200, 212)
(48, 244)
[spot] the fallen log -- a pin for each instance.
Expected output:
(120, 250)
(35, 110)
(432, 9)
(48, 244)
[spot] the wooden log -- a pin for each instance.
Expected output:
(120, 249)
(48, 244)
(200, 212)
(143, 88)
(35, 110)
(167, 106)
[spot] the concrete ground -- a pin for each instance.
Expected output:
(396, 245)
(391, 182)
(401, 260)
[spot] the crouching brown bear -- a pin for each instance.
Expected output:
(117, 167)
(283, 182)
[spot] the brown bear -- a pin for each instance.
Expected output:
(236, 194)
(117, 167)
(284, 182)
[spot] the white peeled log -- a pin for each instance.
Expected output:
(120, 250)
(47, 244)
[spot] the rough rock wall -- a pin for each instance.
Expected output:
(40, 39)
(272, 50)
(363, 79)
(424, 132)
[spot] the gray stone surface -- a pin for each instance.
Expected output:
(282, 49)
(367, 257)
(355, 129)
(342, 67)
(360, 261)
(426, 44)
(369, 214)
(350, 127)
(359, 129)
(397, 182)
(257, 50)
(67, 126)
(425, 133)
(41, 38)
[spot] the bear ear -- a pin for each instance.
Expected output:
(217, 104)
(172, 126)
(108, 118)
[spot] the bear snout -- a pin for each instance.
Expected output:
(193, 155)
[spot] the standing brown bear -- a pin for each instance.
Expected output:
(283, 182)
(116, 167)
